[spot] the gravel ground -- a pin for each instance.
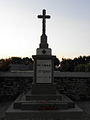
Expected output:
(3, 108)
(84, 105)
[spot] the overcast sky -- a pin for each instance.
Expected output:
(68, 30)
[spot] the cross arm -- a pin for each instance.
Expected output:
(48, 16)
(40, 16)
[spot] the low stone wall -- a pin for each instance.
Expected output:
(11, 87)
(76, 86)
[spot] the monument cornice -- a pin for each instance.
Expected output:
(43, 56)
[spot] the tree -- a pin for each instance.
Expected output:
(80, 64)
(56, 63)
(27, 60)
(87, 67)
(4, 66)
(80, 68)
(16, 60)
(67, 65)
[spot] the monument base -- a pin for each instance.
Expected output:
(64, 109)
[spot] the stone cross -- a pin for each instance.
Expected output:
(44, 16)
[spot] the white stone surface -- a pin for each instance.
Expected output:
(44, 71)
(39, 51)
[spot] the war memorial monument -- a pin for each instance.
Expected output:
(43, 101)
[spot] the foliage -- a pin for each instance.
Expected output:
(80, 64)
(27, 60)
(56, 63)
(67, 65)
(16, 60)
(87, 67)
(5, 63)
(82, 68)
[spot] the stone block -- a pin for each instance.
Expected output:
(43, 89)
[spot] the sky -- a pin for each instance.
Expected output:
(68, 30)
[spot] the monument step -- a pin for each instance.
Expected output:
(43, 97)
(43, 105)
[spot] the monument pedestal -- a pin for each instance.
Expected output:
(44, 102)
(64, 109)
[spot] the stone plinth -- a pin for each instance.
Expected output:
(43, 89)
(54, 109)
